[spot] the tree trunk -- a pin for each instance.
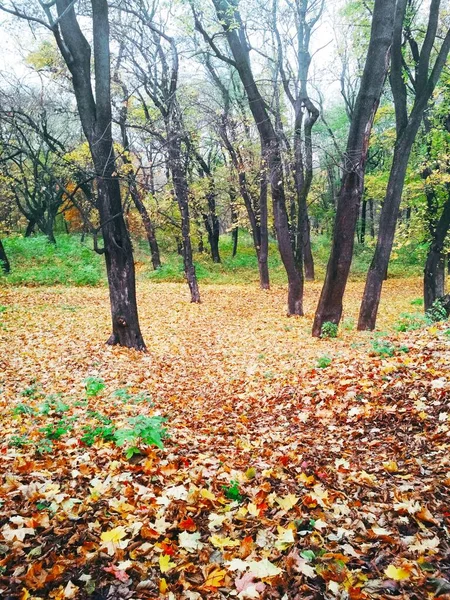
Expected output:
(434, 271)
(234, 220)
(362, 235)
(96, 119)
(263, 254)
(4, 262)
(407, 128)
(330, 303)
(229, 16)
(372, 218)
(181, 193)
(30, 228)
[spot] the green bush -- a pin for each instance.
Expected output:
(329, 330)
(436, 312)
(324, 362)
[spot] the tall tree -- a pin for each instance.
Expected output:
(229, 17)
(423, 78)
(154, 59)
(305, 14)
(94, 107)
(352, 185)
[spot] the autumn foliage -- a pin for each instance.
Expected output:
(281, 475)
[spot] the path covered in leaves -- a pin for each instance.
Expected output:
(294, 467)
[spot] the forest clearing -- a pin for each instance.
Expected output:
(293, 467)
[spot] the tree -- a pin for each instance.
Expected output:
(235, 137)
(329, 308)
(305, 14)
(229, 17)
(423, 77)
(94, 107)
(153, 56)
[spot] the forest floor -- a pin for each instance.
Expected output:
(294, 468)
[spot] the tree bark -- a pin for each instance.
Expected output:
(377, 62)
(263, 254)
(407, 128)
(372, 218)
(362, 235)
(30, 228)
(181, 193)
(434, 271)
(96, 117)
(4, 262)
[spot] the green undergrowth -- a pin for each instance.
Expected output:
(45, 421)
(36, 262)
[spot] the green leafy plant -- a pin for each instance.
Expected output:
(33, 392)
(410, 322)
(93, 386)
(22, 409)
(232, 491)
(144, 430)
(437, 312)
(44, 446)
(18, 441)
(92, 434)
(55, 431)
(324, 362)
(383, 347)
(329, 330)
(417, 302)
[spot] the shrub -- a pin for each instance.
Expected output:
(329, 330)
(324, 362)
(437, 312)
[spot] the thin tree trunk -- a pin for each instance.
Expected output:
(362, 235)
(134, 191)
(434, 271)
(377, 61)
(229, 16)
(263, 254)
(181, 193)
(4, 262)
(372, 218)
(234, 220)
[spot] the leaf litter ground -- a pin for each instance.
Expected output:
(279, 478)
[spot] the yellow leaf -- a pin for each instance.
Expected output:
(207, 495)
(113, 535)
(287, 502)
(391, 466)
(253, 509)
(396, 573)
(223, 542)
(165, 564)
(215, 578)
(162, 586)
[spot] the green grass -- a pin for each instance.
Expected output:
(36, 262)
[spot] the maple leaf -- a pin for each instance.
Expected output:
(396, 573)
(113, 539)
(215, 578)
(164, 563)
(287, 502)
(223, 542)
(18, 533)
(247, 587)
(190, 541)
